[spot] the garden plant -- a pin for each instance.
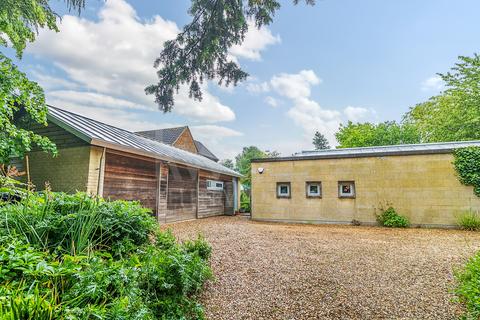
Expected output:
(80, 257)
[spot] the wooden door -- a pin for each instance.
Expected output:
(181, 194)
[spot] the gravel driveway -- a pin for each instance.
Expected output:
(281, 271)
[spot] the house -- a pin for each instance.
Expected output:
(179, 137)
(342, 185)
(105, 160)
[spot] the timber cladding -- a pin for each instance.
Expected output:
(212, 202)
(181, 193)
(130, 178)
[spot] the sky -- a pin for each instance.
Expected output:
(312, 69)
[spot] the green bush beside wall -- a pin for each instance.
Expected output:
(79, 257)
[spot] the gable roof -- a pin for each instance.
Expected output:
(167, 135)
(202, 150)
(104, 135)
(171, 135)
(394, 150)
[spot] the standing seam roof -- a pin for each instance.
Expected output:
(98, 133)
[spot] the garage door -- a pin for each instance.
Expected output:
(182, 194)
(130, 178)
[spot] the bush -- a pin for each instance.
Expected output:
(79, 257)
(390, 218)
(77, 224)
(469, 221)
(467, 289)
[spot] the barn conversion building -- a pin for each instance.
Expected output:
(105, 160)
(345, 185)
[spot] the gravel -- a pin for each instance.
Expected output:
(285, 271)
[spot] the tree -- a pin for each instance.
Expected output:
(453, 115)
(243, 162)
(19, 22)
(320, 142)
(228, 163)
(201, 51)
(369, 134)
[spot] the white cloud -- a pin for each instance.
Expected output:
(257, 88)
(434, 83)
(271, 101)
(359, 114)
(113, 57)
(256, 40)
(93, 99)
(214, 137)
(308, 113)
(294, 85)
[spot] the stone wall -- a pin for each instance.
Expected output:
(422, 187)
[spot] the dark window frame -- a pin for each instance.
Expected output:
(307, 187)
(352, 182)
(277, 191)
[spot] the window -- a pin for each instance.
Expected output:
(214, 185)
(346, 189)
(314, 189)
(283, 189)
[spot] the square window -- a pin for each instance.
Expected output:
(314, 189)
(346, 189)
(283, 189)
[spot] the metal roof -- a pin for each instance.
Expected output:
(202, 150)
(167, 135)
(104, 135)
(395, 150)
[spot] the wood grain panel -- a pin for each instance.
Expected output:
(130, 178)
(181, 194)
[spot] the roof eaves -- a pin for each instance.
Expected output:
(69, 128)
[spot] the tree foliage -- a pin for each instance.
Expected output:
(454, 115)
(19, 23)
(228, 163)
(21, 19)
(17, 93)
(320, 142)
(243, 162)
(369, 134)
(201, 51)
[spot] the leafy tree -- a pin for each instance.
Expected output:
(320, 142)
(21, 19)
(201, 51)
(453, 115)
(18, 93)
(243, 162)
(19, 22)
(368, 134)
(228, 163)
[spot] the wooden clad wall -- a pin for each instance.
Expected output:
(130, 178)
(212, 202)
(182, 194)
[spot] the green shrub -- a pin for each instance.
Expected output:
(79, 257)
(467, 164)
(469, 221)
(467, 289)
(390, 218)
(78, 224)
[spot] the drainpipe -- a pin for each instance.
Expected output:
(101, 173)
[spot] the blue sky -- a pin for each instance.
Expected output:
(312, 69)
